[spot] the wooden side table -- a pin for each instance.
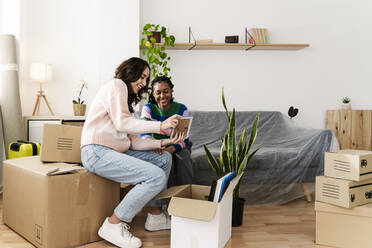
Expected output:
(352, 128)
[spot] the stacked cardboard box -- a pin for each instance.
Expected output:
(344, 200)
(56, 204)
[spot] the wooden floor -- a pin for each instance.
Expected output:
(287, 226)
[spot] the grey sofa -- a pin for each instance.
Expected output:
(290, 155)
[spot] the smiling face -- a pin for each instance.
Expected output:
(141, 82)
(163, 95)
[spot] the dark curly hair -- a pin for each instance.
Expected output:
(130, 71)
(156, 80)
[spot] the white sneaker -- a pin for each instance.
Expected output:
(156, 222)
(118, 235)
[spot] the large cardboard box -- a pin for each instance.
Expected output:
(355, 165)
(61, 143)
(55, 210)
(344, 193)
(341, 227)
(197, 222)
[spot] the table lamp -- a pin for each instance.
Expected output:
(40, 73)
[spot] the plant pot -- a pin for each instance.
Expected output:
(237, 212)
(346, 106)
(79, 109)
(156, 36)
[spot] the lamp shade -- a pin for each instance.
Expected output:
(40, 72)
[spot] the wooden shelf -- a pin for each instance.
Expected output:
(235, 46)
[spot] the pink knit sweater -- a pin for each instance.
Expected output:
(109, 122)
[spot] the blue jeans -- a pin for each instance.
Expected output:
(147, 170)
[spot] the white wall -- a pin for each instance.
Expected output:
(313, 79)
(9, 17)
(85, 39)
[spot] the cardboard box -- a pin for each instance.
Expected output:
(343, 193)
(341, 227)
(61, 143)
(55, 210)
(355, 165)
(197, 222)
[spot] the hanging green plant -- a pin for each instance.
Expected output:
(154, 50)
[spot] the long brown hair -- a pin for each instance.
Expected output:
(129, 71)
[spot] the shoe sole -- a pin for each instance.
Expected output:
(156, 229)
(103, 235)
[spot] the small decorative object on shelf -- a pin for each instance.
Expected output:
(292, 112)
(154, 50)
(78, 105)
(232, 39)
(346, 103)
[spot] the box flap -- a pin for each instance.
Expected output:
(34, 165)
(174, 191)
(192, 209)
(232, 185)
(352, 152)
(364, 210)
(66, 170)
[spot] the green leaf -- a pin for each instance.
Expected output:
(224, 103)
(157, 28)
(143, 41)
(163, 55)
(74, 102)
(153, 40)
(163, 32)
(241, 146)
(82, 102)
(212, 161)
(243, 164)
(162, 49)
(233, 140)
(173, 39)
(144, 52)
(147, 26)
(253, 137)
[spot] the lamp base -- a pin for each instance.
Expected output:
(40, 96)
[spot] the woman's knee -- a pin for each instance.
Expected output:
(158, 178)
(167, 159)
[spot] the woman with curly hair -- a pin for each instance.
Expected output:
(111, 148)
(162, 106)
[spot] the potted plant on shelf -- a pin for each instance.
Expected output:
(234, 156)
(78, 105)
(346, 103)
(154, 50)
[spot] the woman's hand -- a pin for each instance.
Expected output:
(178, 138)
(170, 149)
(159, 151)
(171, 122)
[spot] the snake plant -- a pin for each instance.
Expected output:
(234, 155)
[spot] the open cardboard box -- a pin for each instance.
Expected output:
(61, 143)
(55, 204)
(197, 222)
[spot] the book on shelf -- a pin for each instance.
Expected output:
(219, 187)
(259, 35)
